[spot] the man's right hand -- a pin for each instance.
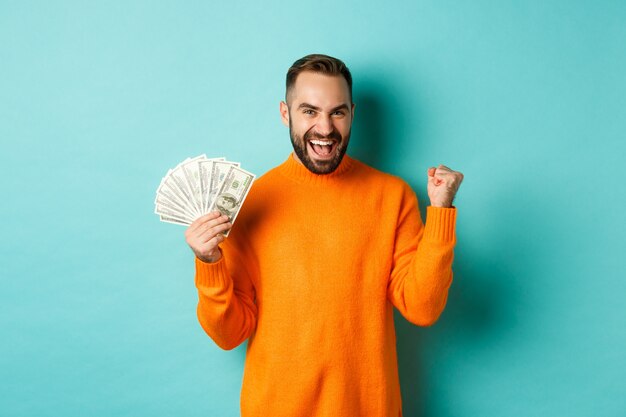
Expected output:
(205, 234)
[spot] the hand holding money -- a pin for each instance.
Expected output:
(206, 233)
(198, 186)
(205, 194)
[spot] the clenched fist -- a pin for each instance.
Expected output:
(443, 184)
(205, 234)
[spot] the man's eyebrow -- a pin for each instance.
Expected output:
(343, 106)
(312, 107)
(308, 106)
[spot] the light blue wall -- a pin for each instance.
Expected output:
(97, 303)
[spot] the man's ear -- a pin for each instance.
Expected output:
(353, 107)
(284, 113)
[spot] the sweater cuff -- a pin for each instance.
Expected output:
(211, 274)
(440, 224)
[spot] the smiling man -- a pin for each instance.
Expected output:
(320, 123)
(324, 248)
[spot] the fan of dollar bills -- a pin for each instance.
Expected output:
(201, 185)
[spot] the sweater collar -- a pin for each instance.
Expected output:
(294, 169)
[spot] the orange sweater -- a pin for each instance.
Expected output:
(310, 274)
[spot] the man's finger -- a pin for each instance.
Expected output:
(215, 241)
(203, 219)
(211, 244)
(434, 180)
(212, 223)
(207, 235)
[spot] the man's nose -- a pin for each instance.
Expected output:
(325, 125)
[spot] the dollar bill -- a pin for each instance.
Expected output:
(168, 212)
(191, 170)
(219, 169)
(174, 187)
(205, 167)
(165, 196)
(174, 220)
(232, 193)
(191, 189)
(166, 206)
(177, 183)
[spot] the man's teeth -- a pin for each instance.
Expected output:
(322, 147)
(322, 142)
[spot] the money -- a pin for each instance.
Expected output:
(232, 193)
(218, 174)
(200, 185)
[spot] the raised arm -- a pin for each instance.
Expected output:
(422, 259)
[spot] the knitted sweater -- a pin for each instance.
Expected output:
(310, 274)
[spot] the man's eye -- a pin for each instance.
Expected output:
(338, 113)
(308, 111)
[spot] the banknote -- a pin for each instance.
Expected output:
(180, 187)
(166, 196)
(199, 185)
(232, 193)
(174, 220)
(204, 168)
(177, 183)
(191, 171)
(219, 169)
(165, 208)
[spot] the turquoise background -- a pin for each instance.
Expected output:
(97, 101)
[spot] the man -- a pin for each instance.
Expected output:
(323, 249)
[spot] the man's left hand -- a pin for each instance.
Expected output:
(443, 184)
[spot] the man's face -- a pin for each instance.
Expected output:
(319, 114)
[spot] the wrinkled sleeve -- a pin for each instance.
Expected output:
(422, 261)
(226, 298)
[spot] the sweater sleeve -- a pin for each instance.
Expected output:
(422, 261)
(226, 307)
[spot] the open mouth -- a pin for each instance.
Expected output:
(322, 148)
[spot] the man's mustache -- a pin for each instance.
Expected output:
(335, 135)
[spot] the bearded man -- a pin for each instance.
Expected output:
(324, 248)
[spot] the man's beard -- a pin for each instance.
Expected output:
(319, 167)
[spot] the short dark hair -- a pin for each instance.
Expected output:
(322, 64)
